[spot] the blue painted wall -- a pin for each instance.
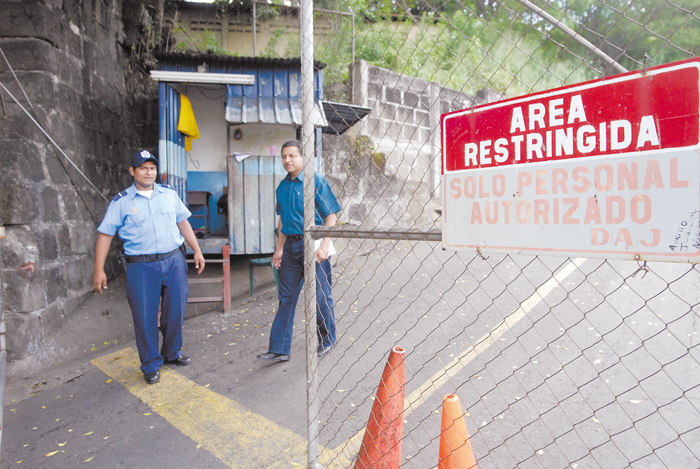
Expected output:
(214, 182)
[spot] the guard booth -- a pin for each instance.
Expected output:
(245, 109)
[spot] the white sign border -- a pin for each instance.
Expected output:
(638, 255)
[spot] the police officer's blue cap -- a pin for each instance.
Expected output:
(140, 157)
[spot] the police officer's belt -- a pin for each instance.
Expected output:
(295, 237)
(151, 257)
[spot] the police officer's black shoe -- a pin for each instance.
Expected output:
(153, 377)
(182, 360)
(274, 356)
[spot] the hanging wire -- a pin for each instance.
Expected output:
(53, 142)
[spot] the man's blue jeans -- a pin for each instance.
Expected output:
(291, 277)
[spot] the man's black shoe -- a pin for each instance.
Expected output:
(323, 350)
(153, 377)
(182, 360)
(274, 356)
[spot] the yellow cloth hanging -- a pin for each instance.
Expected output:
(187, 124)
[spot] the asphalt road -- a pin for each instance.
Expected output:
(99, 411)
(557, 362)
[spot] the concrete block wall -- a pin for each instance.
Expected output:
(96, 101)
(370, 198)
(405, 118)
(400, 188)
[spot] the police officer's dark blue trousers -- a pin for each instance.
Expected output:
(145, 284)
(291, 277)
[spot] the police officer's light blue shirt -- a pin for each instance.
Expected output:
(290, 203)
(147, 226)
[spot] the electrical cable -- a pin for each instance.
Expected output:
(201, 90)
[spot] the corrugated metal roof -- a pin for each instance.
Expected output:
(335, 118)
(243, 110)
(275, 98)
(174, 58)
(341, 116)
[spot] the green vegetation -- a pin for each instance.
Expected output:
(207, 41)
(503, 45)
(473, 44)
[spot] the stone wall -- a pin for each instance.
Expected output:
(85, 85)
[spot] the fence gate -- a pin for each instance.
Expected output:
(558, 362)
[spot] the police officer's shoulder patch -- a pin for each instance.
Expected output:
(118, 196)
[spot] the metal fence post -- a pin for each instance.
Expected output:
(308, 141)
(3, 353)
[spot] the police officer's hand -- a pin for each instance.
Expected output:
(99, 281)
(199, 262)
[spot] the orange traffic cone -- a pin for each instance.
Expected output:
(381, 445)
(455, 448)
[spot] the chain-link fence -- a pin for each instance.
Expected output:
(558, 362)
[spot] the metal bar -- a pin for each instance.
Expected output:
(255, 24)
(306, 19)
(334, 12)
(244, 166)
(226, 257)
(352, 62)
(3, 361)
(3, 353)
(170, 76)
(229, 191)
(319, 232)
(353, 35)
(573, 34)
(183, 165)
(224, 28)
(162, 129)
(206, 299)
(194, 281)
(320, 10)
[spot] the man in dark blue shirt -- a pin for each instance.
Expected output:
(289, 256)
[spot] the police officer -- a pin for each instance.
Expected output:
(152, 221)
(289, 256)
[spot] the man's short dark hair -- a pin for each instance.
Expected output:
(293, 143)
